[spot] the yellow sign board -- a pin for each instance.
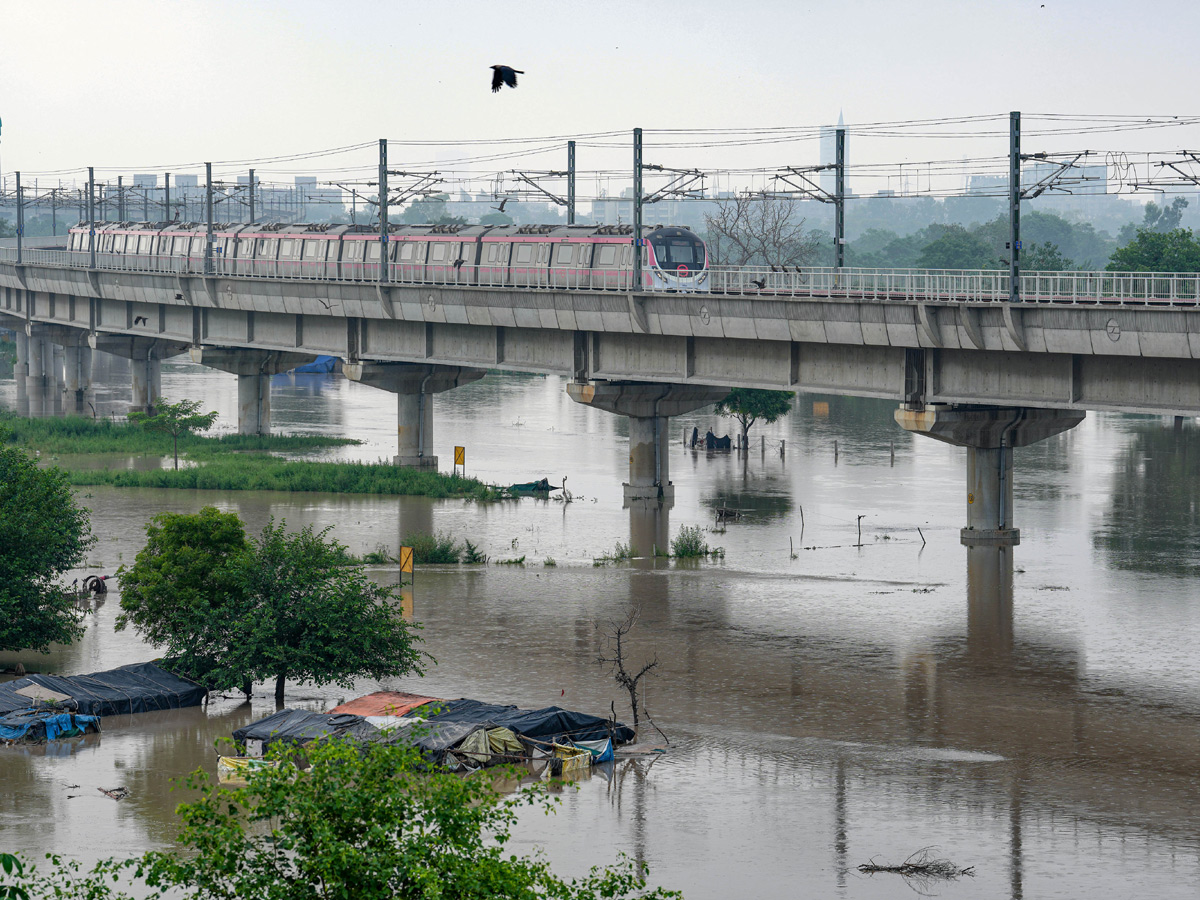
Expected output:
(406, 560)
(460, 456)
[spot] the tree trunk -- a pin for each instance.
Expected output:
(280, 680)
(248, 688)
(176, 438)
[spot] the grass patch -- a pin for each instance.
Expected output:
(620, 552)
(689, 543)
(434, 549)
(79, 434)
(519, 561)
(549, 562)
(378, 557)
(270, 473)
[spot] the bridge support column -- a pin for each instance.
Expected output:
(21, 373)
(254, 369)
(414, 385)
(35, 378)
(990, 434)
(54, 380)
(77, 381)
(145, 356)
(648, 407)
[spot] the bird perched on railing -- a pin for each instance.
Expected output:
(502, 75)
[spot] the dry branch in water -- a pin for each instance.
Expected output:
(615, 635)
(922, 864)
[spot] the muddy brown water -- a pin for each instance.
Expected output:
(1034, 714)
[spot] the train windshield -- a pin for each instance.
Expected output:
(675, 250)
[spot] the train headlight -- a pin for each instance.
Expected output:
(702, 277)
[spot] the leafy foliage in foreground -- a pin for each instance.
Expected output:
(363, 823)
(43, 533)
(229, 612)
(269, 473)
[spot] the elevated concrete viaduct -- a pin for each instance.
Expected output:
(983, 374)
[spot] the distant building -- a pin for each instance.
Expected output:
(828, 177)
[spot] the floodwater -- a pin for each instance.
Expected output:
(829, 699)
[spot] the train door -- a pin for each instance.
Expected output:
(352, 259)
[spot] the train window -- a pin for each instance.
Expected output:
(564, 255)
(439, 253)
(197, 246)
(354, 250)
(373, 251)
(524, 253)
(119, 243)
(314, 249)
(144, 243)
(285, 248)
(406, 251)
(607, 255)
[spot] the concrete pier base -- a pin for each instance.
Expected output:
(989, 433)
(254, 369)
(648, 407)
(21, 373)
(77, 378)
(414, 385)
(35, 377)
(145, 355)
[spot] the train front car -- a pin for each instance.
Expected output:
(677, 261)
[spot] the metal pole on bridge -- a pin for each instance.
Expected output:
(383, 211)
(637, 209)
(91, 216)
(120, 198)
(1014, 207)
(167, 197)
(839, 202)
(251, 196)
(20, 217)
(208, 212)
(570, 182)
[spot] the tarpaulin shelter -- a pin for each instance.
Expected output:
(384, 703)
(299, 726)
(45, 725)
(550, 724)
(136, 688)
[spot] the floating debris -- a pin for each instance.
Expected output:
(117, 793)
(921, 865)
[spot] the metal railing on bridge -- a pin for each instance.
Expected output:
(769, 282)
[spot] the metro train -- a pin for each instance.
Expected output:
(569, 256)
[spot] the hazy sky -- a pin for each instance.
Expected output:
(149, 85)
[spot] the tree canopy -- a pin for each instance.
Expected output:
(748, 405)
(1157, 251)
(230, 612)
(957, 248)
(361, 822)
(759, 231)
(43, 534)
(175, 419)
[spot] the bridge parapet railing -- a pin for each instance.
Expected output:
(783, 282)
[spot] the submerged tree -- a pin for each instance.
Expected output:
(43, 534)
(615, 634)
(748, 405)
(176, 419)
(229, 612)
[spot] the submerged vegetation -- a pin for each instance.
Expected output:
(270, 473)
(79, 434)
(437, 548)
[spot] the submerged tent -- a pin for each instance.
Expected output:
(139, 687)
(550, 724)
(384, 703)
(298, 726)
(45, 725)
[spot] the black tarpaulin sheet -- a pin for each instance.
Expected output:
(300, 726)
(547, 724)
(136, 688)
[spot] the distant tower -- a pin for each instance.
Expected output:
(829, 154)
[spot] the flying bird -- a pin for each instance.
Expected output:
(500, 208)
(759, 283)
(139, 320)
(502, 75)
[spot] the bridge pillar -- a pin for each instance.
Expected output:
(54, 380)
(77, 380)
(989, 433)
(648, 407)
(37, 365)
(21, 373)
(145, 356)
(414, 385)
(254, 369)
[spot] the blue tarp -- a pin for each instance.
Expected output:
(551, 723)
(140, 687)
(45, 725)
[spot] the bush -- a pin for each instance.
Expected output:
(689, 543)
(472, 554)
(439, 548)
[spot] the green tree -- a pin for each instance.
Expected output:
(1044, 258)
(229, 612)
(368, 822)
(957, 248)
(43, 534)
(183, 592)
(748, 405)
(1155, 218)
(496, 218)
(431, 210)
(312, 618)
(175, 419)
(1155, 251)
